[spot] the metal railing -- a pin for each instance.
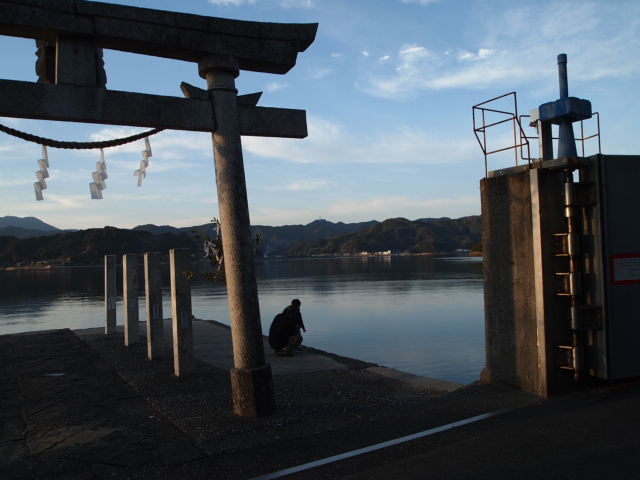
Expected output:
(520, 139)
(582, 139)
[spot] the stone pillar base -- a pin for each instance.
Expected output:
(252, 390)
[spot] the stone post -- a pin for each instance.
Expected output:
(110, 294)
(251, 380)
(130, 293)
(181, 312)
(153, 291)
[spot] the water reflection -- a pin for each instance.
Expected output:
(422, 315)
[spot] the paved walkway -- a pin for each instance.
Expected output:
(212, 344)
(81, 406)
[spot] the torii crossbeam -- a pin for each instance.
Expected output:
(72, 88)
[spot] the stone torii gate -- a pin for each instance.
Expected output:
(71, 35)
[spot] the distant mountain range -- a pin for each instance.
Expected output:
(426, 235)
(25, 227)
(29, 241)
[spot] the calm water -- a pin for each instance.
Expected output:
(420, 315)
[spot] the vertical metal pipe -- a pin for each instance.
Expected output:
(575, 288)
(562, 75)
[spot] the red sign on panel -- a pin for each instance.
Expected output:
(625, 268)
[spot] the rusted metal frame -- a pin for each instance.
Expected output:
(583, 139)
(598, 122)
(526, 137)
(513, 116)
(484, 139)
(483, 129)
(495, 111)
(493, 99)
(522, 133)
(507, 148)
(497, 123)
(475, 132)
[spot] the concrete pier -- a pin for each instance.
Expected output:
(153, 294)
(181, 312)
(109, 294)
(130, 293)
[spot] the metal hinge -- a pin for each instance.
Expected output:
(564, 245)
(567, 284)
(565, 355)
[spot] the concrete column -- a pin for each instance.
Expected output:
(545, 140)
(181, 312)
(251, 377)
(110, 294)
(130, 293)
(153, 291)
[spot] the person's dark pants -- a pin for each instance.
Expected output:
(293, 343)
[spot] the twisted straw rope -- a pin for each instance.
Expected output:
(77, 145)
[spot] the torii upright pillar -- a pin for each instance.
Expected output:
(251, 380)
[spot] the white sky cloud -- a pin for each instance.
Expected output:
(301, 185)
(280, 3)
(420, 2)
(296, 3)
(384, 206)
(275, 86)
(330, 142)
(320, 73)
(16, 182)
(234, 3)
(516, 48)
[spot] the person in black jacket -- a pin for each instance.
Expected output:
(284, 333)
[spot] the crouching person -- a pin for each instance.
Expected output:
(284, 333)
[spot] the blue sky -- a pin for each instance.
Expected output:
(388, 87)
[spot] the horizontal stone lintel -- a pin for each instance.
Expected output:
(97, 105)
(258, 46)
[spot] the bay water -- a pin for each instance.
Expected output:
(418, 314)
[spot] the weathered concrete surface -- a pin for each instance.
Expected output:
(65, 413)
(258, 46)
(115, 414)
(509, 295)
(253, 388)
(212, 345)
(110, 320)
(96, 105)
(153, 304)
(584, 436)
(524, 317)
(182, 328)
(130, 295)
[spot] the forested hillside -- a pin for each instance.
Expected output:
(88, 247)
(441, 235)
